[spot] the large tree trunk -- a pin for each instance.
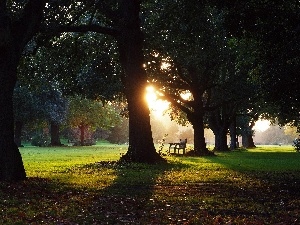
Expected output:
(13, 38)
(233, 134)
(54, 131)
(200, 148)
(247, 135)
(18, 133)
(219, 123)
(221, 140)
(247, 140)
(11, 165)
(130, 42)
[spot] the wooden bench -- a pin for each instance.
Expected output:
(177, 146)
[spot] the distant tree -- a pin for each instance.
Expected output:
(53, 108)
(25, 110)
(240, 90)
(246, 124)
(291, 131)
(44, 104)
(119, 133)
(90, 114)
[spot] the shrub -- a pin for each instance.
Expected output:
(40, 140)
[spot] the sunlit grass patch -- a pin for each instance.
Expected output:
(42, 162)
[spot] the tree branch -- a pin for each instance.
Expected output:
(83, 28)
(177, 103)
(29, 23)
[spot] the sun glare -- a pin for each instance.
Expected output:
(186, 95)
(165, 65)
(156, 105)
(262, 125)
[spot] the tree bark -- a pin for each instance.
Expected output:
(82, 127)
(247, 135)
(14, 35)
(197, 118)
(130, 42)
(233, 134)
(11, 165)
(54, 131)
(18, 133)
(221, 140)
(219, 125)
(247, 141)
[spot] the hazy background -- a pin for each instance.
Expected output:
(265, 134)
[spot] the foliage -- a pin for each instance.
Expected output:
(86, 63)
(43, 103)
(91, 114)
(25, 104)
(276, 32)
(290, 131)
(119, 134)
(40, 140)
(193, 53)
(53, 106)
(36, 108)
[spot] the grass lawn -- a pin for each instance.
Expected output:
(83, 185)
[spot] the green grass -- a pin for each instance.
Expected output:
(50, 159)
(67, 186)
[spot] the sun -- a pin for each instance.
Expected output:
(262, 125)
(157, 106)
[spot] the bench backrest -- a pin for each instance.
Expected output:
(182, 143)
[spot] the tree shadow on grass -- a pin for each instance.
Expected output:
(40, 201)
(264, 184)
(128, 199)
(53, 201)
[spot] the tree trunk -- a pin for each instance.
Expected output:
(82, 127)
(18, 133)
(247, 141)
(220, 121)
(219, 124)
(247, 135)
(11, 165)
(233, 138)
(54, 131)
(13, 39)
(200, 148)
(221, 140)
(130, 42)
